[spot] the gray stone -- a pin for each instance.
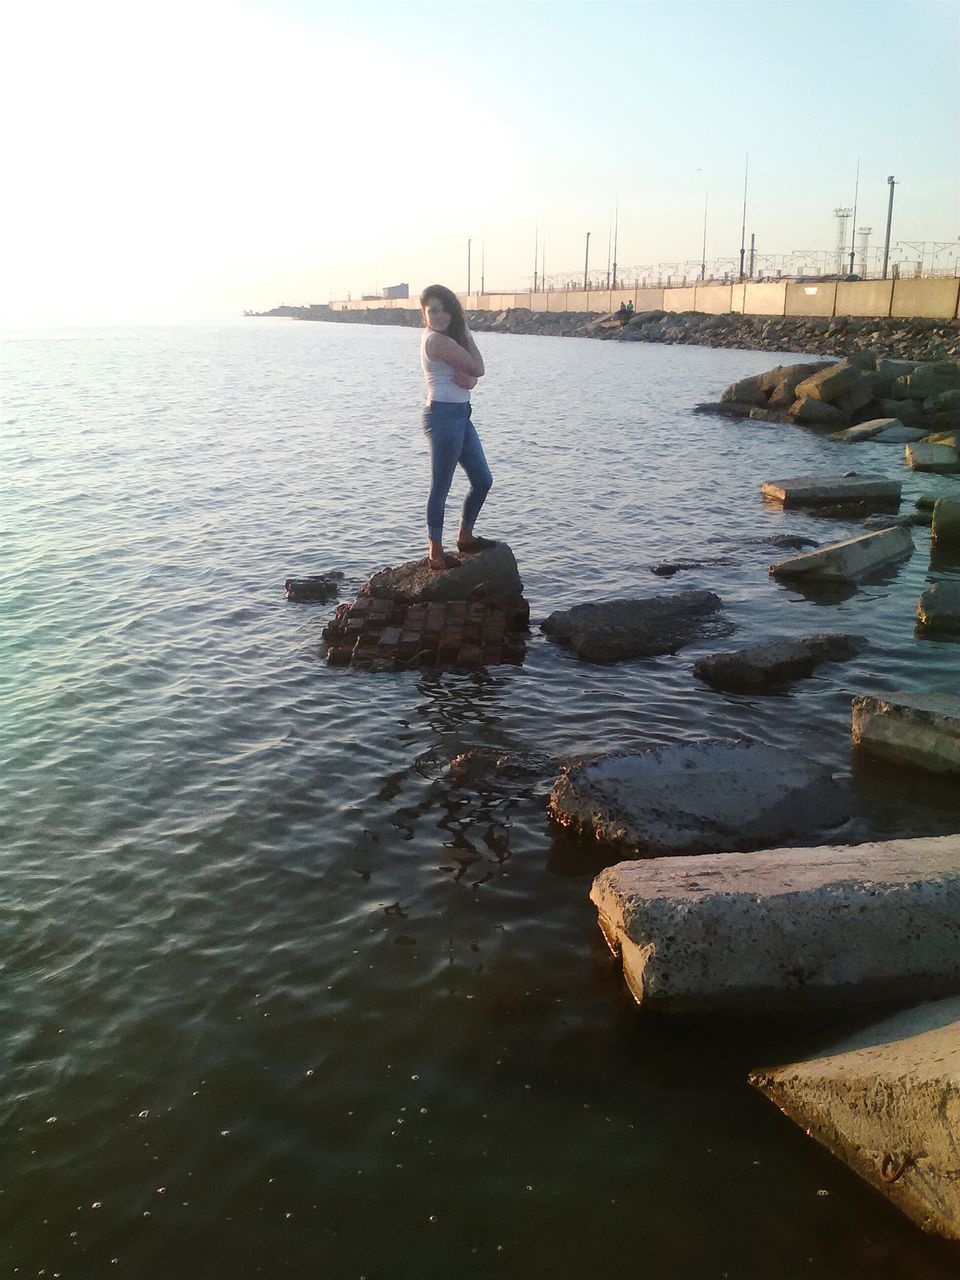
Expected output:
(939, 608)
(928, 380)
(893, 369)
(921, 729)
(613, 630)
(811, 491)
(866, 430)
(941, 458)
(697, 797)
(899, 434)
(850, 559)
(816, 413)
(806, 929)
(945, 527)
(747, 391)
(322, 586)
(771, 665)
(908, 520)
(946, 401)
(781, 383)
(886, 1101)
(486, 574)
(910, 412)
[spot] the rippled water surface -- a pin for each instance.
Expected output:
(278, 996)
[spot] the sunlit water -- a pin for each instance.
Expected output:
(278, 997)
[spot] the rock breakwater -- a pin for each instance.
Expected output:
(914, 338)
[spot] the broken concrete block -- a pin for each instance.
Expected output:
(769, 666)
(945, 529)
(811, 491)
(697, 797)
(921, 729)
(831, 383)
(816, 413)
(939, 608)
(886, 1101)
(933, 457)
(850, 559)
(787, 929)
(614, 630)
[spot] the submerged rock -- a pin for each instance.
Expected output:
(321, 586)
(768, 666)
(701, 797)
(613, 630)
(939, 608)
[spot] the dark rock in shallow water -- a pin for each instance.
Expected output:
(322, 586)
(761, 667)
(613, 630)
(789, 541)
(667, 568)
(698, 797)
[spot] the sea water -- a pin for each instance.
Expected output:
(279, 996)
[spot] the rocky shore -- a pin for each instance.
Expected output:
(914, 338)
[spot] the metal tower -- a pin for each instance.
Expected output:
(843, 217)
(863, 244)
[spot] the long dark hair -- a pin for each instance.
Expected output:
(451, 304)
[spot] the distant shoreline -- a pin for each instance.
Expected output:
(910, 338)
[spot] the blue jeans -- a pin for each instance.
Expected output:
(453, 439)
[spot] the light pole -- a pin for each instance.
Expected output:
(586, 262)
(616, 232)
(886, 242)
(703, 251)
(743, 229)
(853, 233)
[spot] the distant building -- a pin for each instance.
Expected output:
(397, 291)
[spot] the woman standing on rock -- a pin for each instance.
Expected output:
(451, 366)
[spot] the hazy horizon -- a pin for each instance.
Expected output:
(191, 162)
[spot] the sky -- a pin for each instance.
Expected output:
(192, 159)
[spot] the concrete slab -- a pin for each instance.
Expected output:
(933, 457)
(697, 797)
(899, 435)
(787, 929)
(850, 559)
(865, 430)
(939, 608)
(921, 729)
(811, 491)
(886, 1101)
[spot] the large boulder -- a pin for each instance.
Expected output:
(811, 412)
(931, 380)
(781, 384)
(612, 630)
(920, 729)
(806, 929)
(939, 608)
(945, 528)
(487, 574)
(848, 560)
(760, 668)
(831, 383)
(886, 1101)
(697, 797)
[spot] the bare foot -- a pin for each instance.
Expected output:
(467, 543)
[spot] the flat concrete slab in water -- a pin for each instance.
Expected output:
(812, 491)
(920, 729)
(787, 929)
(886, 1101)
(932, 457)
(853, 558)
(697, 797)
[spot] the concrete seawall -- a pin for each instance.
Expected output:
(928, 297)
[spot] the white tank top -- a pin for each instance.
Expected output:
(438, 376)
